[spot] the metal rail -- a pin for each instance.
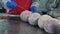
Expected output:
(5, 16)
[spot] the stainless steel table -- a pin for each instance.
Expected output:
(19, 27)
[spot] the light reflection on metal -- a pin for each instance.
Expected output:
(5, 16)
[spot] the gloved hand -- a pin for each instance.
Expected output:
(35, 7)
(11, 4)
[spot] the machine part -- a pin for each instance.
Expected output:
(5, 16)
(55, 8)
(48, 26)
(56, 13)
(33, 19)
(42, 7)
(42, 20)
(51, 4)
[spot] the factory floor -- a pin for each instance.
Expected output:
(20, 27)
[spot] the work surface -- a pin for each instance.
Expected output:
(19, 27)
